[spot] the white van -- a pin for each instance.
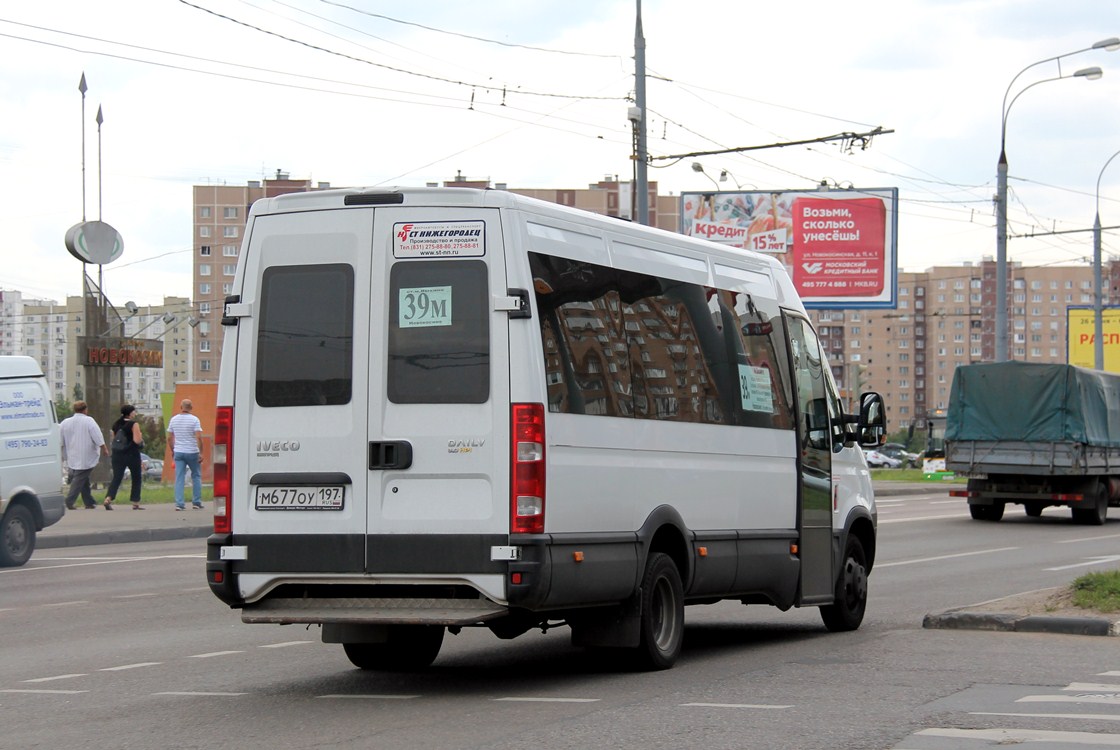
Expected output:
(442, 408)
(30, 459)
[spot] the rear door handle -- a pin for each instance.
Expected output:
(390, 454)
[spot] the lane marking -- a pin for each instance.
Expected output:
(138, 665)
(733, 705)
(65, 604)
(1015, 736)
(1087, 539)
(1109, 674)
(1102, 699)
(213, 654)
(516, 699)
(190, 693)
(1079, 717)
(134, 596)
(1101, 560)
(371, 697)
(1092, 687)
(92, 561)
(945, 557)
(920, 518)
(285, 644)
(45, 692)
(57, 677)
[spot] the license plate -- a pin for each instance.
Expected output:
(299, 498)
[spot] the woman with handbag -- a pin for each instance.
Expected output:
(126, 443)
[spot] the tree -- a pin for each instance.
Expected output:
(155, 436)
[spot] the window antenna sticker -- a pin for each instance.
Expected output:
(755, 389)
(424, 307)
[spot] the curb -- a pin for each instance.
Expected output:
(998, 621)
(82, 539)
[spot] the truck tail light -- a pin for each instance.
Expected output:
(527, 469)
(222, 458)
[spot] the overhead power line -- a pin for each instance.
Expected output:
(468, 36)
(485, 86)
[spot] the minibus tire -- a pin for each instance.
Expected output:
(17, 537)
(851, 590)
(406, 648)
(662, 619)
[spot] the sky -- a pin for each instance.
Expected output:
(535, 94)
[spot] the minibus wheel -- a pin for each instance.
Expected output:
(662, 619)
(406, 647)
(17, 536)
(851, 590)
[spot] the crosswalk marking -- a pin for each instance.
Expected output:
(1110, 700)
(1009, 736)
(1078, 717)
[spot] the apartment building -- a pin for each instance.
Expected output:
(220, 213)
(49, 332)
(945, 318)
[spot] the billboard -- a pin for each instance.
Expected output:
(840, 247)
(1081, 337)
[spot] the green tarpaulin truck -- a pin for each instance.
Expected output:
(1037, 435)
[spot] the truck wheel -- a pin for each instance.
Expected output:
(1034, 510)
(993, 512)
(17, 536)
(406, 647)
(851, 590)
(662, 618)
(1098, 513)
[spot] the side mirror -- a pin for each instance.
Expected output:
(872, 425)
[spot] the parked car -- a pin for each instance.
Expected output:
(899, 452)
(877, 460)
(145, 462)
(154, 469)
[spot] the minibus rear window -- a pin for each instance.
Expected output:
(439, 332)
(305, 338)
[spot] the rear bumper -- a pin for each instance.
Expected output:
(54, 508)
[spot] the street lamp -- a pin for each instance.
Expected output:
(1098, 301)
(167, 319)
(132, 309)
(1111, 44)
(724, 174)
(698, 167)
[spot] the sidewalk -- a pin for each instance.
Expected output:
(157, 522)
(161, 521)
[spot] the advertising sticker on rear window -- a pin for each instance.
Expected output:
(439, 239)
(424, 307)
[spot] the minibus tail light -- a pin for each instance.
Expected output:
(527, 469)
(222, 461)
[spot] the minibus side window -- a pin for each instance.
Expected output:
(627, 344)
(305, 336)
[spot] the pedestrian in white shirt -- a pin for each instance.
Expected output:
(184, 435)
(83, 444)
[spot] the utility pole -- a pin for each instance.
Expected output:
(641, 186)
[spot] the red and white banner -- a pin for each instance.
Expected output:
(838, 246)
